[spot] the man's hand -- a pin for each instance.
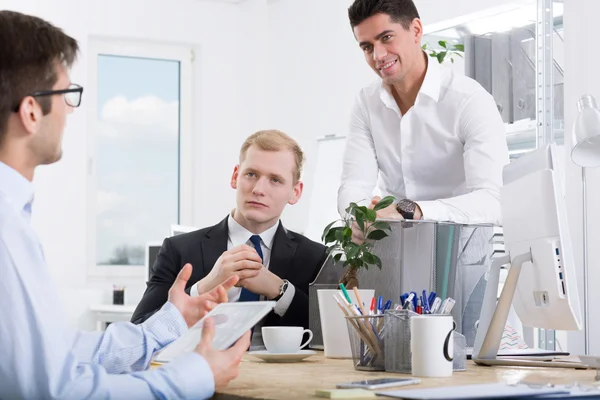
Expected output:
(194, 308)
(265, 283)
(224, 364)
(357, 235)
(390, 212)
(242, 261)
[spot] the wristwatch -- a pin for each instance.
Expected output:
(407, 208)
(282, 289)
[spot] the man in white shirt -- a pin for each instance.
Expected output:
(273, 263)
(433, 137)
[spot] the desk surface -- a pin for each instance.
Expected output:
(258, 379)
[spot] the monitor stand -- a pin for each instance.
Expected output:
(493, 319)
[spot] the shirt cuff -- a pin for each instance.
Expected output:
(194, 290)
(166, 325)
(433, 210)
(191, 374)
(284, 302)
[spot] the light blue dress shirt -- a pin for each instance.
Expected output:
(40, 358)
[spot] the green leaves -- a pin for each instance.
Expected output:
(440, 56)
(385, 202)
(377, 261)
(445, 51)
(337, 235)
(353, 250)
(377, 235)
(371, 215)
(326, 230)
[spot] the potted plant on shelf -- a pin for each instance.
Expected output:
(338, 239)
(446, 51)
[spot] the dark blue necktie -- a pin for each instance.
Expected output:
(247, 295)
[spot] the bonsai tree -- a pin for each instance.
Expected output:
(447, 51)
(338, 239)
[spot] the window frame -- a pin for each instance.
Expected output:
(141, 49)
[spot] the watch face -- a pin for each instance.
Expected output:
(407, 208)
(407, 205)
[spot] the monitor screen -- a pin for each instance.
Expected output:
(152, 250)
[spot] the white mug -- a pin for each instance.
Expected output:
(285, 339)
(431, 345)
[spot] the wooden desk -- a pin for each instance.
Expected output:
(262, 380)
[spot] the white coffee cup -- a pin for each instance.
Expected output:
(431, 345)
(284, 339)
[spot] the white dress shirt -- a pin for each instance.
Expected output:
(446, 153)
(42, 358)
(239, 235)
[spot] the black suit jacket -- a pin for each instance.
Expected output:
(294, 257)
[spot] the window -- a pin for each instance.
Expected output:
(139, 111)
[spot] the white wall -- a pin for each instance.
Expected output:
(581, 76)
(316, 69)
(60, 206)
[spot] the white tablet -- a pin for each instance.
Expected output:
(232, 320)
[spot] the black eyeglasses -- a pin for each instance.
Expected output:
(72, 95)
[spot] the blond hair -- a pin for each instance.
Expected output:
(274, 140)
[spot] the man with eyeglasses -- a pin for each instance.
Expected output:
(40, 358)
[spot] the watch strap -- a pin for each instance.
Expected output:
(282, 289)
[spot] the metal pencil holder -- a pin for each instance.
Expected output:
(459, 362)
(366, 341)
(397, 338)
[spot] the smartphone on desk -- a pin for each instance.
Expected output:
(379, 383)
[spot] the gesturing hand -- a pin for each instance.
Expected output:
(224, 364)
(194, 308)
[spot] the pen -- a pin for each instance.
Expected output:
(419, 308)
(442, 307)
(372, 308)
(436, 304)
(425, 302)
(407, 302)
(345, 293)
(388, 305)
(359, 301)
(403, 298)
(379, 305)
(449, 305)
(431, 299)
(414, 299)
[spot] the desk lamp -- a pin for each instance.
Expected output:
(585, 152)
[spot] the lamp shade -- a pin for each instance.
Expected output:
(585, 138)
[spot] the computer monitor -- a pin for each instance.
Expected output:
(179, 229)
(541, 283)
(152, 249)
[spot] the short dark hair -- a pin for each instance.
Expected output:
(30, 50)
(400, 11)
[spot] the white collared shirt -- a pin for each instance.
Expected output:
(446, 153)
(239, 235)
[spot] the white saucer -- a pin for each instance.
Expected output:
(282, 357)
